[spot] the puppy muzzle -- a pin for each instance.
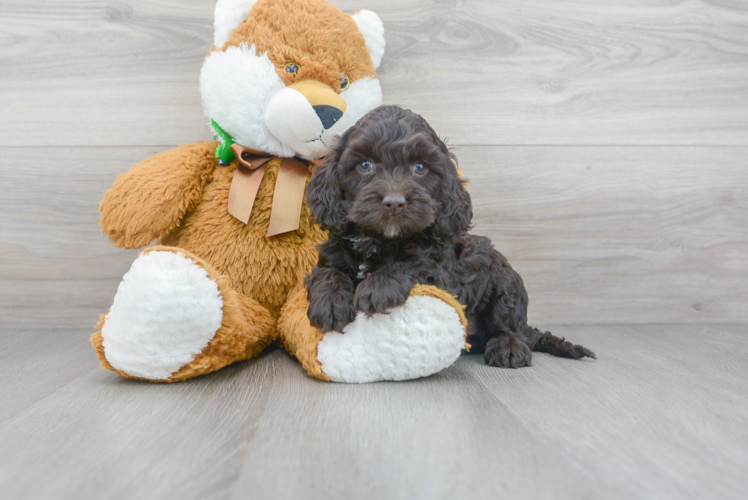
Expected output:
(392, 211)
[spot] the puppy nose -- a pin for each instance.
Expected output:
(394, 203)
(328, 115)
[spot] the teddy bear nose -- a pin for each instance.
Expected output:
(394, 203)
(329, 115)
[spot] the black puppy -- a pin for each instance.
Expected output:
(398, 214)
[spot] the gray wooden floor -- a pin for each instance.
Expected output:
(606, 144)
(661, 414)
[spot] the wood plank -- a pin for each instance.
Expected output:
(438, 438)
(617, 234)
(36, 363)
(660, 414)
(126, 439)
(58, 270)
(483, 72)
(267, 429)
(599, 234)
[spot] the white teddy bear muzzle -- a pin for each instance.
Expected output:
(306, 116)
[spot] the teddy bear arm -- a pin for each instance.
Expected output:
(152, 198)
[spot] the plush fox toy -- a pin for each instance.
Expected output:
(234, 237)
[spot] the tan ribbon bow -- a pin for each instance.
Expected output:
(287, 197)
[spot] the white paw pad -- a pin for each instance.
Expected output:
(418, 339)
(165, 312)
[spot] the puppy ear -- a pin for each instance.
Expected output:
(456, 208)
(323, 194)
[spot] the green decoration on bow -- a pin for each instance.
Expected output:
(223, 151)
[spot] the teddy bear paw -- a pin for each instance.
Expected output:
(165, 312)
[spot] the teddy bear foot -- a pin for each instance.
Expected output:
(417, 339)
(174, 318)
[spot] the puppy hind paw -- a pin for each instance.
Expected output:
(507, 351)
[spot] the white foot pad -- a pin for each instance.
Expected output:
(165, 312)
(415, 340)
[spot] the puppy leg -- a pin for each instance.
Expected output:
(496, 303)
(330, 294)
(500, 311)
(384, 289)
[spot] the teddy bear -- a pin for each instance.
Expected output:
(234, 236)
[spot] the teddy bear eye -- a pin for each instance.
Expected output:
(292, 68)
(420, 168)
(365, 167)
(344, 82)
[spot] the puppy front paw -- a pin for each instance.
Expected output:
(507, 351)
(375, 295)
(331, 312)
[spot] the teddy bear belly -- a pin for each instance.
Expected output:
(259, 267)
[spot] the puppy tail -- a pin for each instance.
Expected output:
(555, 346)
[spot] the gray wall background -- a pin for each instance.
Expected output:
(606, 146)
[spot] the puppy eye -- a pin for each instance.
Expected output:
(365, 167)
(344, 82)
(420, 169)
(292, 68)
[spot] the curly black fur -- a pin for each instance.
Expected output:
(399, 215)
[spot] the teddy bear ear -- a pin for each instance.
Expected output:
(229, 14)
(372, 28)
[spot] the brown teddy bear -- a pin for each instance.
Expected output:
(234, 237)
